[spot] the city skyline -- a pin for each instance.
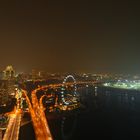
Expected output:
(76, 36)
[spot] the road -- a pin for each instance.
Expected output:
(39, 120)
(40, 124)
(13, 127)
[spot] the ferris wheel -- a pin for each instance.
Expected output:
(68, 90)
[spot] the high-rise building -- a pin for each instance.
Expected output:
(9, 73)
(7, 85)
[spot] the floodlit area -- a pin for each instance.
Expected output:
(125, 84)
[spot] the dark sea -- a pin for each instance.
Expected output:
(112, 114)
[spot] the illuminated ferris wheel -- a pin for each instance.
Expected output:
(68, 90)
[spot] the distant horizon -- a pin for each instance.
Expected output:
(62, 72)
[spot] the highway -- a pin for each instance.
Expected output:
(13, 127)
(40, 122)
(44, 119)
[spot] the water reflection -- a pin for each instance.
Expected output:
(68, 127)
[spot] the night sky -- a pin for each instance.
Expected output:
(70, 35)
